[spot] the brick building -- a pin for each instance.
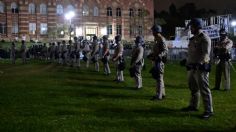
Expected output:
(43, 19)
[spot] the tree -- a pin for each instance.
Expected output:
(173, 10)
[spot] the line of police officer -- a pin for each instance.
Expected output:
(197, 62)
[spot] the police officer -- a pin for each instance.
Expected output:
(198, 69)
(106, 55)
(95, 53)
(159, 52)
(71, 52)
(13, 52)
(64, 52)
(137, 61)
(77, 46)
(223, 56)
(119, 59)
(23, 52)
(87, 52)
(59, 52)
(44, 51)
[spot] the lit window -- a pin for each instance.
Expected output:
(14, 8)
(109, 29)
(2, 7)
(15, 28)
(32, 28)
(85, 10)
(43, 28)
(43, 9)
(31, 8)
(95, 11)
(118, 12)
(60, 10)
(118, 30)
(109, 11)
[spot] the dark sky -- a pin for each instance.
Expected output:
(218, 5)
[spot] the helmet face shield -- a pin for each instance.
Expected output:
(156, 29)
(196, 23)
(139, 40)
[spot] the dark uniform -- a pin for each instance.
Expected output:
(23, 52)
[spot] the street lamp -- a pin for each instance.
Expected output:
(69, 16)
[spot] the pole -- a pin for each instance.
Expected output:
(70, 29)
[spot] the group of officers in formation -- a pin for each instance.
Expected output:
(197, 62)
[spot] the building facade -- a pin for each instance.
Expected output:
(45, 19)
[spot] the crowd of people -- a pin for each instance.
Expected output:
(197, 63)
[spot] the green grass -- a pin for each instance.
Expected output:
(47, 97)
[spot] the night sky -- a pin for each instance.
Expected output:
(218, 5)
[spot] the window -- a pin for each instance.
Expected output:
(32, 28)
(15, 28)
(118, 12)
(140, 12)
(140, 30)
(95, 11)
(14, 8)
(131, 30)
(131, 12)
(2, 7)
(3, 28)
(109, 11)
(31, 8)
(118, 30)
(109, 29)
(60, 10)
(85, 10)
(43, 9)
(70, 8)
(43, 28)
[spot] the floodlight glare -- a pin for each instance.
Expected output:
(70, 15)
(233, 23)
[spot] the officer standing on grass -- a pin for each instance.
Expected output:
(106, 55)
(77, 46)
(95, 53)
(198, 69)
(159, 54)
(23, 52)
(223, 56)
(64, 52)
(13, 52)
(137, 62)
(119, 59)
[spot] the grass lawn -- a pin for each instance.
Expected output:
(47, 97)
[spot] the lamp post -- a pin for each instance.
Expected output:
(69, 16)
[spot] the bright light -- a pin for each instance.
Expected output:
(70, 15)
(78, 31)
(62, 32)
(104, 31)
(72, 33)
(233, 23)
